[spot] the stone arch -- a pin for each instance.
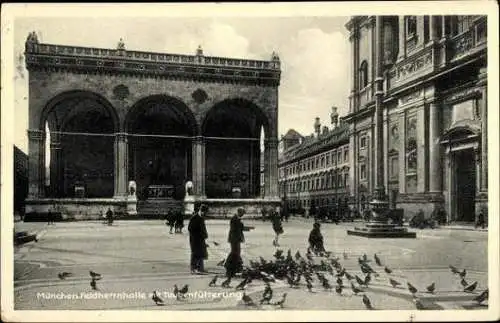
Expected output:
(160, 130)
(232, 129)
(74, 96)
(173, 105)
(81, 129)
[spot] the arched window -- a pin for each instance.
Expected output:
(363, 75)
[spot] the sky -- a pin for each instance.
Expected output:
(314, 52)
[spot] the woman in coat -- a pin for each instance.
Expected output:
(234, 263)
(197, 236)
(277, 227)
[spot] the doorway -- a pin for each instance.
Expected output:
(465, 185)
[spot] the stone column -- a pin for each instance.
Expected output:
(198, 165)
(56, 168)
(353, 164)
(121, 165)
(435, 168)
(421, 150)
(433, 28)
(271, 168)
(402, 153)
(483, 79)
(36, 163)
(355, 67)
(402, 38)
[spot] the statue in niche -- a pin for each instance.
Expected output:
(189, 188)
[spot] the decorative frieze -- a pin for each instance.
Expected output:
(414, 65)
(410, 97)
(462, 95)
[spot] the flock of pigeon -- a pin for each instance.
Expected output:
(299, 271)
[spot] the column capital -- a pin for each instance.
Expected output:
(36, 135)
(121, 136)
(271, 143)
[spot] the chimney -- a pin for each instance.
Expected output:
(334, 115)
(317, 126)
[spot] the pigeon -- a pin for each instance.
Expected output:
(221, 263)
(248, 300)
(338, 289)
(359, 280)
(355, 290)
(326, 284)
(296, 281)
(345, 256)
(463, 273)
(367, 302)
(365, 258)
(309, 286)
(387, 270)
(215, 243)
(213, 281)
(464, 283)
(454, 269)
(341, 272)
(471, 287)
(482, 297)
(184, 289)
(377, 260)
(368, 278)
(176, 291)
(180, 292)
(281, 302)
(267, 295)
(226, 283)
(431, 288)
(93, 284)
(278, 254)
(94, 275)
(340, 282)
(394, 283)
(64, 275)
(418, 303)
(348, 276)
(297, 255)
(158, 301)
(242, 285)
(412, 288)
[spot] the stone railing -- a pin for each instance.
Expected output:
(49, 49)
(469, 41)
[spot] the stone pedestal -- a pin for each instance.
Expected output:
(189, 205)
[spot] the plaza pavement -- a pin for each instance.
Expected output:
(137, 257)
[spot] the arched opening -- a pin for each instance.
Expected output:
(80, 130)
(234, 131)
(160, 130)
(363, 75)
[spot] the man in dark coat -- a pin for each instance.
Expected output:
(109, 216)
(197, 236)
(234, 263)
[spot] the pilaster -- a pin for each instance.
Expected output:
(435, 167)
(56, 165)
(402, 153)
(121, 165)
(199, 160)
(36, 162)
(421, 150)
(271, 168)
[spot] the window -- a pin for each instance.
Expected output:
(346, 155)
(339, 179)
(411, 26)
(362, 142)
(346, 178)
(317, 163)
(327, 159)
(362, 171)
(317, 183)
(363, 75)
(339, 157)
(323, 161)
(426, 28)
(460, 24)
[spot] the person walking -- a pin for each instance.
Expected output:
(50, 217)
(234, 263)
(109, 216)
(197, 236)
(316, 243)
(277, 227)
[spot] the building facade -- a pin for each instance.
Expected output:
(434, 103)
(129, 130)
(20, 179)
(314, 170)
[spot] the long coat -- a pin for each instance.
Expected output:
(236, 230)
(197, 235)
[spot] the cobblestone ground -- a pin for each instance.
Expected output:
(137, 257)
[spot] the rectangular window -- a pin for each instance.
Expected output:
(346, 155)
(362, 171)
(362, 142)
(411, 26)
(339, 157)
(346, 179)
(327, 159)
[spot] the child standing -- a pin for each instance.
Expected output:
(316, 239)
(277, 227)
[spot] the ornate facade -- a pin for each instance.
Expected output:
(433, 75)
(129, 125)
(315, 170)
